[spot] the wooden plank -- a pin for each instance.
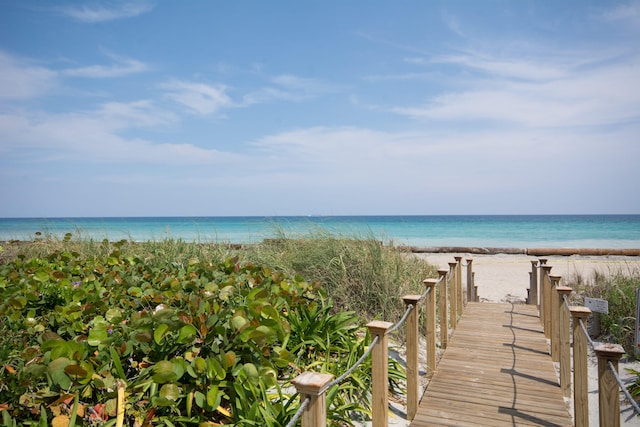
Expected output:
(495, 371)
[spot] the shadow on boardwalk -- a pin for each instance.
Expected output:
(496, 371)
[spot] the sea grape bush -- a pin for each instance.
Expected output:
(197, 343)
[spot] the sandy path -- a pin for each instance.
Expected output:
(502, 278)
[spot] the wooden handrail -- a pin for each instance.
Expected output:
(580, 370)
(453, 300)
(608, 354)
(412, 354)
(442, 304)
(430, 325)
(459, 293)
(312, 387)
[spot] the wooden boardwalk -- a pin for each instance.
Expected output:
(496, 371)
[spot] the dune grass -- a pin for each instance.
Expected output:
(619, 288)
(358, 273)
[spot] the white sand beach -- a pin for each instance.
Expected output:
(505, 278)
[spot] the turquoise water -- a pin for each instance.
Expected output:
(508, 231)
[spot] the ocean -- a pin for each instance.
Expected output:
(501, 231)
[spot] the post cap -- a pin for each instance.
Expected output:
(378, 327)
(564, 290)
(313, 383)
(580, 311)
(430, 282)
(443, 272)
(609, 351)
(411, 299)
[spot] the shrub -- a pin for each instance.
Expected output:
(185, 343)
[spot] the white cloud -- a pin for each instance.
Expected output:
(199, 98)
(100, 136)
(515, 68)
(288, 87)
(22, 79)
(626, 12)
(541, 91)
(122, 67)
(107, 11)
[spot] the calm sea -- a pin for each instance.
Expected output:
(509, 231)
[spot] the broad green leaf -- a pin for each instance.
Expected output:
(163, 372)
(170, 392)
(134, 291)
(238, 323)
(159, 332)
(187, 334)
(215, 371)
(200, 399)
(200, 364)
(113, 315)
(97, 334)
(251, 373)
(57, 373)
(213, 397)
(41, 276)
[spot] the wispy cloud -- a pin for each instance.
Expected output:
(289, 87)
(578, 90)
(106, 11)
(121, 67)
(101, 135)
(199, 98)
(625, 12)
(23, 79)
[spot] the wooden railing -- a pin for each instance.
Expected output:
(561, 322)
(312, 386)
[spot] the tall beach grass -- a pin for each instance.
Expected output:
(358, 273)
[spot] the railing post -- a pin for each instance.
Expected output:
(430, 325)
(580, 370)
(608, 391)
(412, 355)
(475, 288)
(470, 291)
(313, 385)
(545, 286)
(541, 296)
(555, 320)
(442, 302)
(459, 293)
(564, 356)
(533, 286)
(380, 373)
(453, 296)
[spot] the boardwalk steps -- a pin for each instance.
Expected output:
(496, 371)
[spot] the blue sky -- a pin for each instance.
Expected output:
(162, 108)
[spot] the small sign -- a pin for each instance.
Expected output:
(597, 305)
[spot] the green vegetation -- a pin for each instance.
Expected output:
(190, 334)
(619, 289)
